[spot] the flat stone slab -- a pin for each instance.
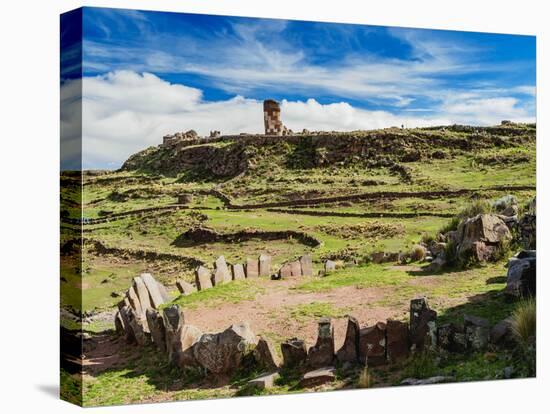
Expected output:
(318, 377)
(184, 287)
(153, 289)
(307, 265)
(264, 381)
(265, 265)
(238, 272)
(203, 278)
(295, 268)
(221, 272)
(143, 294)
(252, 268)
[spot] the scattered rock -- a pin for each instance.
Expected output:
(330, 266)
(501, 333)
(318, 377)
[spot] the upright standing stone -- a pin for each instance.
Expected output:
(134, 302)
(322, 353)
(295, 268)
(397, 338)
(294, 352)
(307, 265)
(185, 288)
(174, 320)
(119, 324)
(156, 327)
(285, 271)
(349, 352)
(330, 266)
(252, 268)
(153, 289)
(265, 355)
(203, 278)
(265, 265)
(422, 323)
(372, 345)
(142, 293)
(238, 272)
(163, 292)
(221, 273)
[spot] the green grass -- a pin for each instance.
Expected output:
(233, 292)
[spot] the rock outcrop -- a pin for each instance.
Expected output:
(480, 237)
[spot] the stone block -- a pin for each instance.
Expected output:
(265, 265)
(372, 345)
(397, 340)
(203, 278)
(238, 272)
(349, 352)
(252, 268)
(322, 353)
(307, 265)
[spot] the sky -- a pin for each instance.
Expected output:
(140, 75)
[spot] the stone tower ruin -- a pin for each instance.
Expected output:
(272, 118)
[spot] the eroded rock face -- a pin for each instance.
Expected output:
(223, 352)
(349, 352)
(294, 352)
(322, 353)
(480, 237)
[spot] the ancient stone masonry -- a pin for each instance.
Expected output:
(272, 119)
(173, 139)
(301, 267)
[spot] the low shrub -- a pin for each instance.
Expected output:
(418, 253)
(524, 321)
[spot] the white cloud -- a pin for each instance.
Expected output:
(125, 112)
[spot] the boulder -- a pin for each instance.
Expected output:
(252, 268)
(330, 266)
(421, 324)
(295, 268)
(349, 352)
(221, 272)
(501, 333)
(264, 381)
(203, 278)
(185, 288)
(397, 340)
(285, 271)
(265, 265)
(322, 353)
(265, 354)
(479, 237)
(223, 352)
(238, 272)
(318, 377)
(521, 278)
(153, 289)
(307, 265)
(156, 327)
(294, 352)
(372, 345)
(477, 332)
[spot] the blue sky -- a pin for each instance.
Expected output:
(150, 73)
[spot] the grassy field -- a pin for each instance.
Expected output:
(283, 173)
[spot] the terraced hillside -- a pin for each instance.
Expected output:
(344, 197)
